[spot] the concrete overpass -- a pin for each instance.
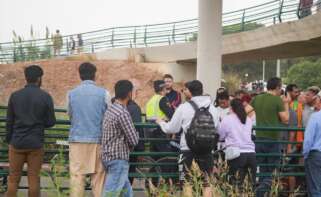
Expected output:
(284, 40)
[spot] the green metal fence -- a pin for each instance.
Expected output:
(164, 159)
(267, 14)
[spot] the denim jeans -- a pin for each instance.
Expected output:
(117, 182)
(312, 166)
(266, 181)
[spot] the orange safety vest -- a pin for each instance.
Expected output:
(299, 112)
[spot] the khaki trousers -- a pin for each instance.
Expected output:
(85, 159)
(17, 158)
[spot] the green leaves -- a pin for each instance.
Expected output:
(305, 74)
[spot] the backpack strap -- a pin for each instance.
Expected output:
(194, 105)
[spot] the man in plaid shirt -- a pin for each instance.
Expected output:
(119, 138)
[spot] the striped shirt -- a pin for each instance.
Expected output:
(119, 134)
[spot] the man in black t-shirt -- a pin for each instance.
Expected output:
(174, 97)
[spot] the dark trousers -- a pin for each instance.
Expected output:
(244, 165)
(17, 158)
(312, 166)
(266, 181)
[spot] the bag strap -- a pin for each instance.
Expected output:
(194, 105)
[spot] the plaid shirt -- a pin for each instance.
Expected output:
(119, 134)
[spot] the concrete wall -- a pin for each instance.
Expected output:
(181, 72)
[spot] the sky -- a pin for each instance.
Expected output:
(77, 16)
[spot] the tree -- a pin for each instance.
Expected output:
(305, 74)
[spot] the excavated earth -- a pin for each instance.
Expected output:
(60, 76)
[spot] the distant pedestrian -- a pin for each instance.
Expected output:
(305, 8)
(57, 43)
(80, 44)
(72, 45)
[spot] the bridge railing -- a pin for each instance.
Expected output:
(272, 12)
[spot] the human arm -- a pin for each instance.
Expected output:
(108, 99)
(309, 134)
(128, 128)
(10, 120)
(283, 109)
(223, 129)
(165, 107)
(50, 119)
(175, 124)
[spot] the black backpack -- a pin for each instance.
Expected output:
(201, 136)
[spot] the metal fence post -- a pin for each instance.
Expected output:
(92, 48)
(173, 33)
(280, 11)
(243, 21)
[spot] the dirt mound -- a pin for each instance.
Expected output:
(60, 76)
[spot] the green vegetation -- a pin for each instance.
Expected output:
(306, 73)
(29, 50)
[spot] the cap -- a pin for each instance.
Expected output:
(314, 89)
(159, 85)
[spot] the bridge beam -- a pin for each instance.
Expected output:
(209, 45)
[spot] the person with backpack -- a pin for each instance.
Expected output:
(236, 129)
(198, 119)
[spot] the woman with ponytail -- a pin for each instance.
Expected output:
(235, 129)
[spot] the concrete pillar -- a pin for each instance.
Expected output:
(278, 68)
(209, 45)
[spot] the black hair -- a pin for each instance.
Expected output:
(290, 87)
(168, 76)
(219, 91)
(223, 96)
(87, 71)
(123, 88)
(195, 87)
(274, 83)
(159, 85)
(239, 110)
(33, 73)
(57, 31)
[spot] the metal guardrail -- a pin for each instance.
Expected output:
(267, 14)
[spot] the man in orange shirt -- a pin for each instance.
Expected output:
(296, 110)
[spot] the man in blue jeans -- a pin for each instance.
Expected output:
(119, 138)
(312, 154)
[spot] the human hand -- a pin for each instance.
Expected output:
(286, 99)
(159, 120)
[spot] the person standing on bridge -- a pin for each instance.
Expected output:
(271, 111)
(30, 111)
(57, 43)
(87, 104)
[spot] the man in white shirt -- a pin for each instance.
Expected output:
(182, 118)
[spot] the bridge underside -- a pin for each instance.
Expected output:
(287, 50)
